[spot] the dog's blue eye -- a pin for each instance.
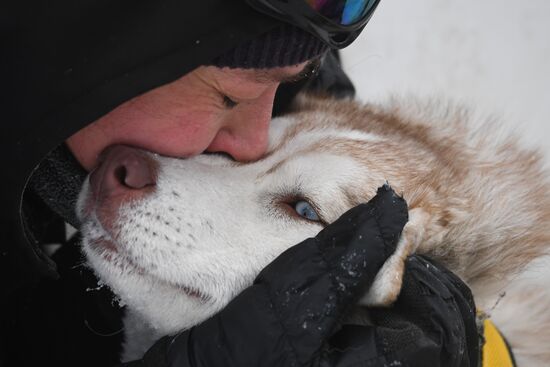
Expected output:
(304, 209)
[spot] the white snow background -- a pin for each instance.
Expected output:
(491, 54)
(494, 55)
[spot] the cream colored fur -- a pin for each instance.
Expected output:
(478, 203)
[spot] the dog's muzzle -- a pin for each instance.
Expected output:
(124, 174)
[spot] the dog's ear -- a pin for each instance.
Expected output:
(387, 284)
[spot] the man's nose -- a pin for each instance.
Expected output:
(244, 132)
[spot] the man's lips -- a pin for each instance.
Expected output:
(108, 250)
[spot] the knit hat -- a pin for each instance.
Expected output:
(282, 46)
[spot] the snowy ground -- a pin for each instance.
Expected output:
(493, 54)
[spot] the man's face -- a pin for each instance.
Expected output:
(210, 109)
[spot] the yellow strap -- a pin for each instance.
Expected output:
(495, 350)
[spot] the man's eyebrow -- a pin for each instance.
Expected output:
(266, 75)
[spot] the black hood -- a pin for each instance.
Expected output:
(65, 63)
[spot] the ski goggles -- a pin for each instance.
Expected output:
(335, 22)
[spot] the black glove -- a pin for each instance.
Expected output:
(292, 315)
(432, 324)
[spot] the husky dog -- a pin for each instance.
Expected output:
(197, 231)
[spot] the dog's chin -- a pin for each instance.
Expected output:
(165, 306)
(110, 254)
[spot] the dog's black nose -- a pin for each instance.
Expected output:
(123, 170)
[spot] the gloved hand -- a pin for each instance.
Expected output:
(292, 315)
(432, 324)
